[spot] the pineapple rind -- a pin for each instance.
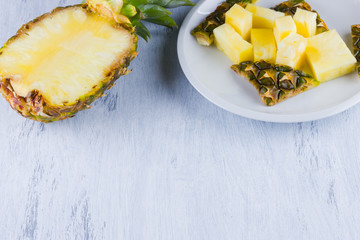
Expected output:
(275, 83)
(204, 31)
(34, 106)
(355, 30)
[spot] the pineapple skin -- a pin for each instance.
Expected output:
(275, 83)
(355, 31)
(34, 106)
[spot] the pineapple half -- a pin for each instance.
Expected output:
(59, 63)
(355, 30)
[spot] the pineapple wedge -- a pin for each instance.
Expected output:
(329, 57)
(283, 27)
(232, 44)
(240, 19)
(263, 17)
(305, 22)
(291, 51)
(264, 44)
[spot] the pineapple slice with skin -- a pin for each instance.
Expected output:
(275, 83)
(329, 57)
(263, 17)
(240, 19)
(291, 51)
(264, 44)
(355, 31)
(232, 44)
(305, 22)
(283, 27)
(204, 32)
(290, 7)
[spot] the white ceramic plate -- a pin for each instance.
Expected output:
(208, 70)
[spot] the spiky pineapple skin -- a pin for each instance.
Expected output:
(289, 8)
(204, 31)
(34, 106)
(355, 31)
(275, 83)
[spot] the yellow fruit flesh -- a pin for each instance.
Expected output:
(240, 19)
(263, 17)
(232, 44)
(283, 27)
(264, 44)
(305, 22)
(329, 57)
(63, 57)
(291, 51)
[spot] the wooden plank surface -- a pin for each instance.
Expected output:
(155, 160)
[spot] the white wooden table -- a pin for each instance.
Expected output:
(155, 160)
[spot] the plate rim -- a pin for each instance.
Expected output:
(244, 112)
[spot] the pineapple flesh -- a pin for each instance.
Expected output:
(232, 44)
(283, 27)
(263, 17)
(59, 63)
(264, 44)
(291, 51)
(305, 22)
(240, 19)
(355, 30)
(329, 57)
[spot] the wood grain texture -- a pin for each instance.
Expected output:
(155, 160)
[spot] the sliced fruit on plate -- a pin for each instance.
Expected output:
(240, 19)
(329, 57)
(264, 44)
(232, 44)
(305, 22)
(263, 17)
(291, 51)
(275, 83)
(204, 31)
(290, 7)
(283, 27)
(355, 30)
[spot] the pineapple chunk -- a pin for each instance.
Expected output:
(291, 51)
(240, 19)
(264, 44)
(263, 17)
(283, 27)
(329, 57)
(232, 44)
(305, 22)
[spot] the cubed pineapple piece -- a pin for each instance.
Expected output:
(291, 51)
(240, 19)
(283, 27)
(232, 44)
(263, 17)
(264, 44)
(305, 22)
(329, 57)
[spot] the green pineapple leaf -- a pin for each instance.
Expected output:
(153, 11)
(162, 3)
(141, 30)
(164, 21)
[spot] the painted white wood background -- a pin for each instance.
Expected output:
(155, 160)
